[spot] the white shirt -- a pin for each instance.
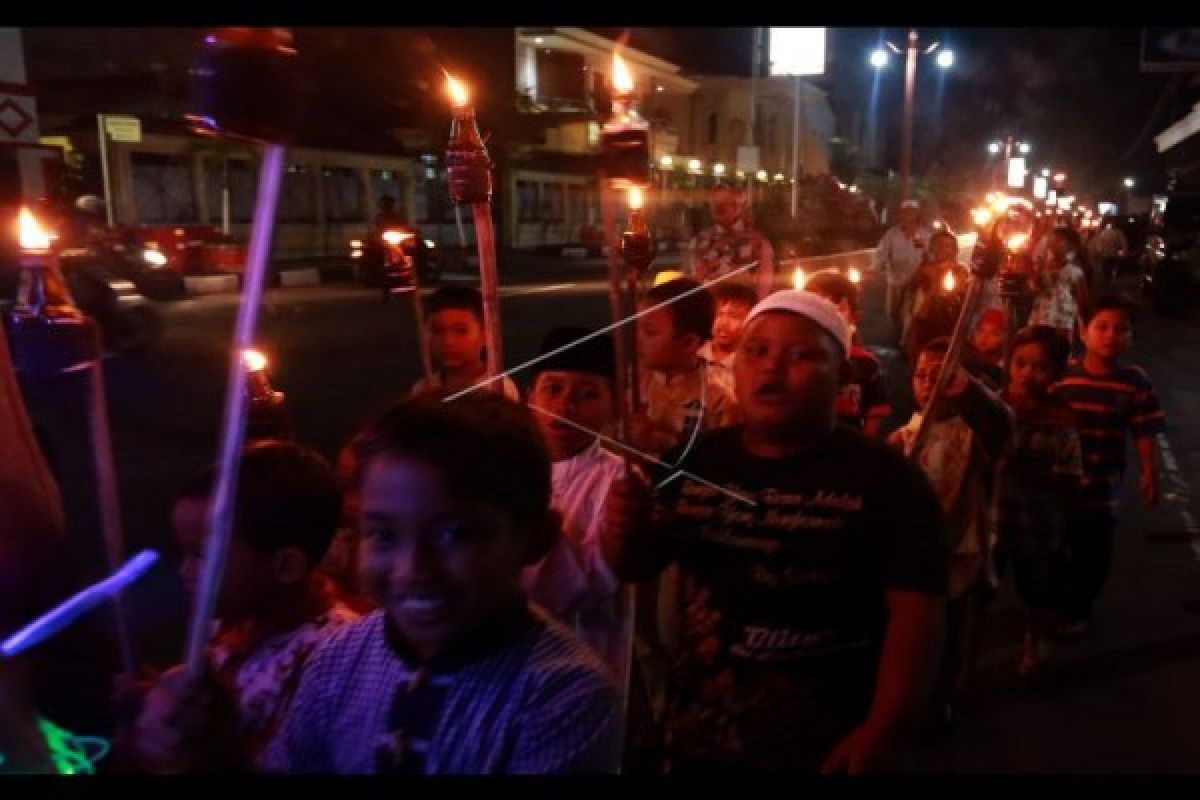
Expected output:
(899, 255)
(573, 582)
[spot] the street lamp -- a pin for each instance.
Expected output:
(994, 148)
(1129, 183)
(879, 59)
(1024, 148)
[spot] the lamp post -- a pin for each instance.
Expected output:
(879, 60)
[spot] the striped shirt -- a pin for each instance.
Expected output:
(1108, 406)
(534, 701)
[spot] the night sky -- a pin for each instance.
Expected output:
(1076, 94)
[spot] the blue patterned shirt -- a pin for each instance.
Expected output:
(538, 702)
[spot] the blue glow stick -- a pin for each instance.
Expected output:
(77, 605)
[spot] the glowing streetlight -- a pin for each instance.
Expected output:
(994, 148)
(1024, 148)
(718, 169)
(1129, 183)
(879, 58)
(761, 175)
(666, 162)
(945, 59)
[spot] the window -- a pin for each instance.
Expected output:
(577, 210)
(527, 201)
(553, 206)
(162, 189)
(345, 199)
(297, 195)
(387, 182)
(243, 185)
(712, 128)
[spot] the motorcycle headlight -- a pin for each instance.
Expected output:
(154, 258)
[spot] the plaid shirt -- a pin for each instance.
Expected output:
(537, 703)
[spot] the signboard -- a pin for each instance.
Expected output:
(1039, 187)
(797, 51)
(747, 159)
(1170, 49)
(1051, 197)
(18, 117)
(1016, 172)
(123, 129)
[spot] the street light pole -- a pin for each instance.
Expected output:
(797, 135)
(910, 85)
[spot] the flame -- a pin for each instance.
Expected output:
(622, 78)
(948, 282)
(458, 91)
(1017, 241)
(30, 234)
(799, 279)
(981, 216)
(636, 199)
(254, 360)
(853, 275)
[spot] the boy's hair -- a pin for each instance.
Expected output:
(942, 235)
(456, 298)
(691, 314)
(733, 292)
(937, 346)
(1110, 301)
(834, 287)
(287, 497)
(584, 352)
(483, 445)
(1053, 344)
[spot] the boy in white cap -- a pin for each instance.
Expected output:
(812, 567)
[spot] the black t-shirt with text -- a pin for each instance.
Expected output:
(782, 604)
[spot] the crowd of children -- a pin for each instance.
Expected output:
(759, 579)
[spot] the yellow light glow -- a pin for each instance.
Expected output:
(254, 360)
(1017, 241)
(30, 233)
(799, 279)
(981, 216)
(853, 275)
(635, 198)
(622, 78)
(458, 91)
(948, 282)
(666, 162)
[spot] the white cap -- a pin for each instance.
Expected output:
(806, 304)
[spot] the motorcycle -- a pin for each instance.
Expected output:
(393, 259)
(124, 255)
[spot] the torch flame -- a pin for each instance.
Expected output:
(395, 237)
(30, 234)
(457, 90)
(1017, 241)
(981, 216)
(948, 282)
(622, 78)
(636, 200)
(799, 279)
(254, 360)
(853, 275)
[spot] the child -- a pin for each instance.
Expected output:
(789, 597)
(960, 457)
(1041, 478)
(734, 301)
(862, 402)
(1060, 286)
(456, 673)
(682, 396)
(1113, 400)
(456, 342)
(573, 402)
(983, 357)
(274, 607)
(935, 307)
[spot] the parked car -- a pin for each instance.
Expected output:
(1170, 257)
